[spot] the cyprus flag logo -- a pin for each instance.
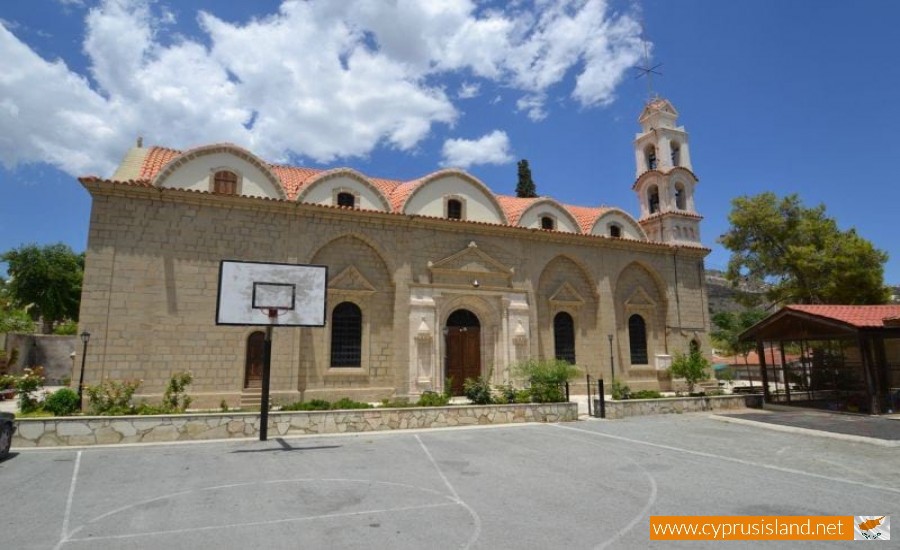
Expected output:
(871, 527)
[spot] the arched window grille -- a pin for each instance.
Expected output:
(346, 335)
(637, 339)
(346, 199)
(564, 337)
(454, 209)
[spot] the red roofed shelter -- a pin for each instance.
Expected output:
(849, 356)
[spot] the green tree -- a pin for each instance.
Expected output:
(48, 279)
(692, 367)
(728, 327)
(801, 254)
(525, 188)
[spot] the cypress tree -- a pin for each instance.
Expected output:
(526, 187)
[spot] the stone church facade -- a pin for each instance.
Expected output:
(430, 281)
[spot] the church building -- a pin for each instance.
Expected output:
(430, 281)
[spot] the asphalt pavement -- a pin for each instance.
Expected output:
(586, 484)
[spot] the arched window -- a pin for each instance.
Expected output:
(650, 153)
(637, 338)
(225, 182)
(346, 335)
(346, 199)
(679, 196)
(653, 199)
(454, 209)
(564, 337)
(547, 223)
(676, 153)
(615, 231)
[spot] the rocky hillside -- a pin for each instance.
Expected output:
(722, 296)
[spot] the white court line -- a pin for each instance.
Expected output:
(259, 523)
(475, 517)
(65, 525)
(248, 484)
(731, 459)
(644, 512)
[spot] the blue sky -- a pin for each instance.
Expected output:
(790, 97)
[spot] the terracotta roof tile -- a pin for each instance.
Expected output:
(586, 216)
(293, 178)
(156, 158)
(402, 192)
(514, 207)
(385, 186)
(857, 316)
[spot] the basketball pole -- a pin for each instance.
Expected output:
(267, 367)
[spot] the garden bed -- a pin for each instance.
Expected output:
(676, 405)
(108, 430)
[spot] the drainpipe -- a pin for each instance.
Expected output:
(677, 298)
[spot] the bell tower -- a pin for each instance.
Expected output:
(665, 179)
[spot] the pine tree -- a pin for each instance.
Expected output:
(526, 187)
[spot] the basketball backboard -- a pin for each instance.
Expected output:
(249, 291)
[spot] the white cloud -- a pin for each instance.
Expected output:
(320, 79)
(491, 148)
(468, 90)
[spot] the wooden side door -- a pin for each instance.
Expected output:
(253, 366)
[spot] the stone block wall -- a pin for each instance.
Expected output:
(150, 289)
(677, 405)
(109, 430)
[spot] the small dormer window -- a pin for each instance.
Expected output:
(454, 209)
(676, 153)
(653, 199)
(547, 223)
(225, 182)
(650, 152)
(346, 199)
(615, 231)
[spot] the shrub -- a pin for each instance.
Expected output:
(314, 405)
(546, 378)
(620, 390)
(397, 403)
(347, 403)
(175, 398)
(505, 394)
(62, 402)
(66, 328)
(7, 382)
(27, 386)
(433, 399)
(478, 390)
(691, 366)
(112, 397)
(645, 394)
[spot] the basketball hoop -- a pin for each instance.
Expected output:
(257, 294)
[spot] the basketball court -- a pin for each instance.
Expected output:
(587, 484)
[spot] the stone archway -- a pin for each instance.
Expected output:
(462, 342)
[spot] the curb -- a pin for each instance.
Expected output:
(808, 431)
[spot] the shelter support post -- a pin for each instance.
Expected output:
(761, 352)
(784, 373)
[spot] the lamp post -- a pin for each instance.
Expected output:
(612, 364)
(85, 337)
